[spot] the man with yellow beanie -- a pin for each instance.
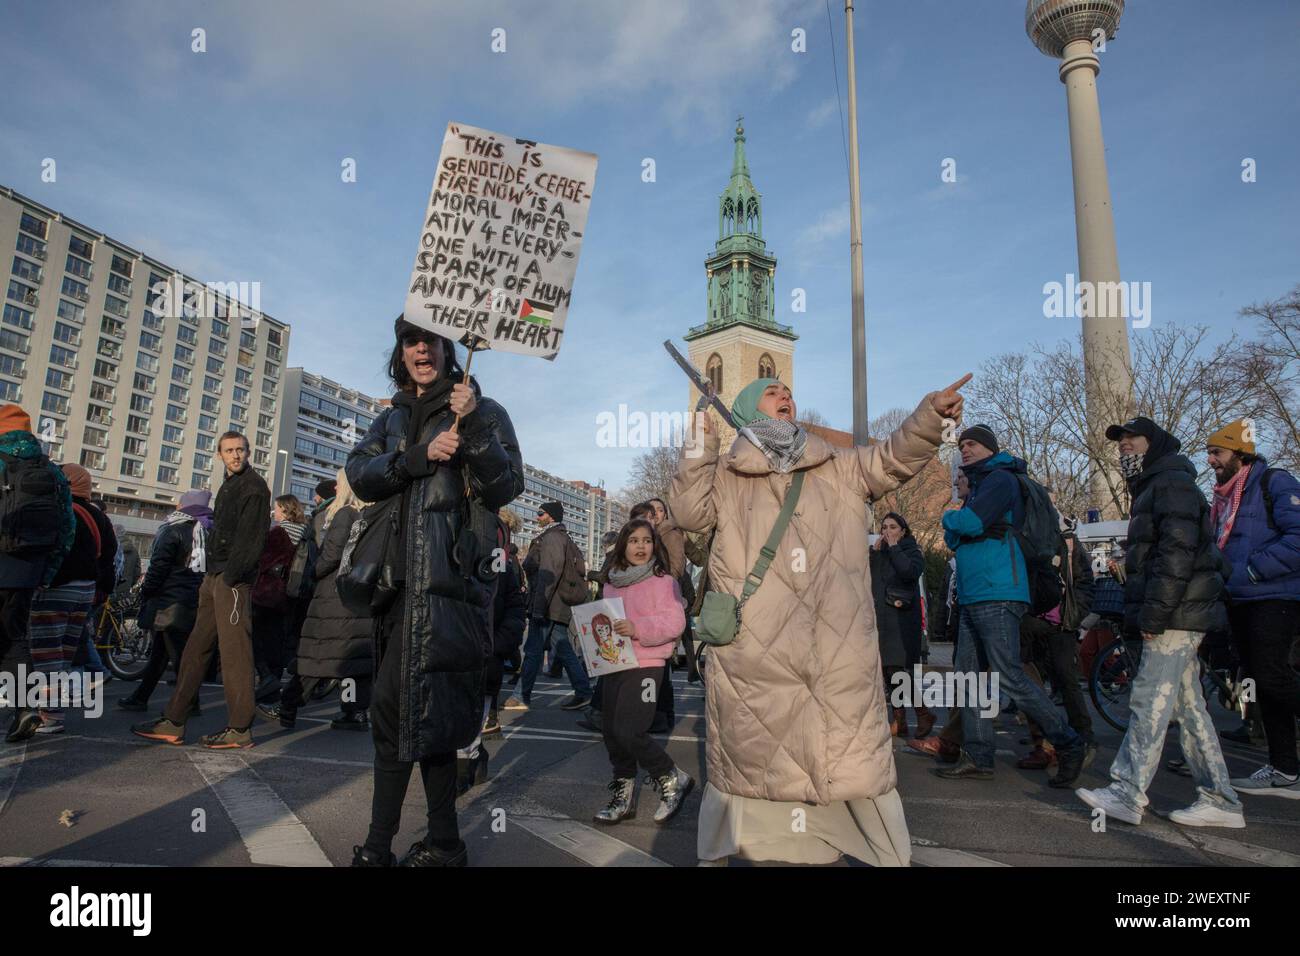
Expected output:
(1256, 515)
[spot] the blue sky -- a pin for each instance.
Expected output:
(226, 164)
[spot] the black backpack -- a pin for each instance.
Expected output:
(30, 518)
(1040, 542)
(301, 580)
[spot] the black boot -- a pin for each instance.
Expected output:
(965, 769)
(1069, 764)
(421, 854)
(351, 720)
(363, 857)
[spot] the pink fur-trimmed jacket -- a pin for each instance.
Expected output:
(655, 607)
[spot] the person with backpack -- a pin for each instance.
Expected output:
(240, 522)
(557, 580)
(447, 457)
(1000, 536)
(336, 644)
(169, 593)
(794, 696)
(1173, 595)
(641, 577)
(59, 612)
(107, 567)
(1256, 518)
(274, 608)
(38, 530)
(1052, 640)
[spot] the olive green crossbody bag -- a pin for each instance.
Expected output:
(719, 620)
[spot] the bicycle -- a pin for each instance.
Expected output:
(123, 645)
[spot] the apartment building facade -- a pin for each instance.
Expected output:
(588, 511)
(320, 422)
(128, 366)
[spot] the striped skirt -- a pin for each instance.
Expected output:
(57, 623)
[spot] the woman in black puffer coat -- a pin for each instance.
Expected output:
(335, 644)
(896, 567)
(428, 695)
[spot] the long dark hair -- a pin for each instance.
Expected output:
(659, 556)
(397, 372)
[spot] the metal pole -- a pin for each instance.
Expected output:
(855, 246)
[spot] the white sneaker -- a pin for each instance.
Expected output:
(514, 703)
(50, 725)
(1203, 813)
(1108, 801)
(1269, 781)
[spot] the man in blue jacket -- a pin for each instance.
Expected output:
(1256, 515)
(993, 592)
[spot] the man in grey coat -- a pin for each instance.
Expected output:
(548, 614)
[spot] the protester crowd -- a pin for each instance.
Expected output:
(399, 589)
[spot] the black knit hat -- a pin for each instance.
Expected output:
(555, 510)
(327, 488)
(982, 434)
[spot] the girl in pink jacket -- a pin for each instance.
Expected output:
(639, 574)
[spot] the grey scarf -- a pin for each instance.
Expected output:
(1130, 466)
(632, 574)
(780, 441)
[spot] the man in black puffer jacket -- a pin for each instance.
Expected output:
(1173, 591)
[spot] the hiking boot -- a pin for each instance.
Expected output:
(351, 720)
(1204, 813)
(132, 703)
(230, 738)
(363, 857)
(622, 805)
(1037, 759)
(673, 788)
(1109, 802)
(1069, 764)
(421, 854)
(575, 702)
(966, 769)
(514, 703)
(161, 729)
(1269, 781)
(23, 726)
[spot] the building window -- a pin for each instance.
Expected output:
(150, 363)
(31, 246)
(206, 443)
(179, 393)
(68, 334)
(216, 366)
(268, 403)
(76, 290)
(94, 460)
(101, 392)
(239, 414)
(241, 395)
(220, 329)
(713, 372)
(20, 318)
(207, 423)
(82, 247)
(174, 433)
(72, 312)
(262, 457)
(153, 321)
(136, 446)
(176, 414)
(274, 337)
(117, 306)
(54, 378)
(199, 482)
(211, 384)
(120, 285)
(16, 367)
(263, 440)
(168, 476)
(150, 341)
(121, 266)
(141, 403)
(243, 376)
(203, 462)
(26, 270)
(134, 423)
(14, 340)
(98, 415)
(187, 335)
(766, 367)
(105, 370)
(217, 347)
(111, 326)
(170, 454)
(265, 421)
(95, 437)
(78, 267)
(211, 404)
(143, 382)
(30, 223)
(272, 370)
(10, 391)
(57, 404)
(181, 374)
(247, 340)
(22, 293)
(184, 354)
(110, 349)
(61, 356)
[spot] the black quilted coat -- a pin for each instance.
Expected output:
(444, 633)
(335, 643)
(1174, 570)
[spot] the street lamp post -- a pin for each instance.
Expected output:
(284, 474)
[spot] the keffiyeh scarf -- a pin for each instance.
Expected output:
(780, 441)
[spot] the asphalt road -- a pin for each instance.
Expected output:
(302, 797)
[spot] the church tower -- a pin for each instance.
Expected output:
(740, 339)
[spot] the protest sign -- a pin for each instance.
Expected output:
(603, 651)
(500, 241)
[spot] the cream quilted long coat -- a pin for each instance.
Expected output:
(796, 708)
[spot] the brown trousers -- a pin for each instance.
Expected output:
(225, 621)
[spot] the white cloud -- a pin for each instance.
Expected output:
(822, 113)
(831, 224)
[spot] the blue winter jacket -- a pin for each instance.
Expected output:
(989, 569)
(1265, 563)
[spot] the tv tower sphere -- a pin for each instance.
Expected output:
(1052, 24)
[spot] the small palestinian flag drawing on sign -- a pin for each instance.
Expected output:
(539, 312)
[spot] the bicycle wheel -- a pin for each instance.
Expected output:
(129, 649)
(1111, 682)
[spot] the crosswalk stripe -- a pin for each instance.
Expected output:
(271, 832)
(45, 861)
(585, 843)
(945, 856)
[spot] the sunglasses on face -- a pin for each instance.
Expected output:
(412, 339)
